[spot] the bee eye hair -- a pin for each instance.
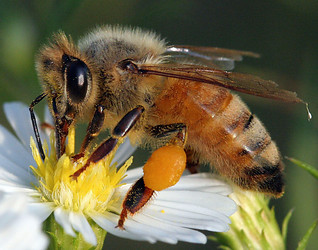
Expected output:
(77, 77)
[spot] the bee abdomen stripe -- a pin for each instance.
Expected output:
(273, 185)
(259, 146)
(248, 122)
(237, 122)
(269, 170)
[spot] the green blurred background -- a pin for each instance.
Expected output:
(284, 32)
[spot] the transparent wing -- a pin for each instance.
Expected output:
(218, 58)
(244, 83)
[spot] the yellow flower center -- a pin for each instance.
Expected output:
(92, 192)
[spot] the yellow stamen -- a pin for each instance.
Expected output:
(91, 193)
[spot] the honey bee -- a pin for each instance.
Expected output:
(129, 81)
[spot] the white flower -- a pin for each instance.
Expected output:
(196, 202)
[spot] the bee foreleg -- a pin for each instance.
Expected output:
(34, 124)
(92, 131)
(120, 130)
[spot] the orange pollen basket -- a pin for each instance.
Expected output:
(165, 167)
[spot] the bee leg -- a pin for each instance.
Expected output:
(62, 125)
(139, 194)
(193, 164)
(120, 130)
(34, 124)
(46, 125)
(92, 131)
(135, 199)
(166, 130)
(160, 131)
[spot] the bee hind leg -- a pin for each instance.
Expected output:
(160, 131)
(135, 199)
(193, 164)
(155, 176)
(167, 130)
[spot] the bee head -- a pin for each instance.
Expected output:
(65, 76)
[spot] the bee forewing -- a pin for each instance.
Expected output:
(244, 83)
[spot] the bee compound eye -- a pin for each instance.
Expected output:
(77, 76)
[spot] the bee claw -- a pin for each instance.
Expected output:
(121, 227)
(76, 157)
(74, 177)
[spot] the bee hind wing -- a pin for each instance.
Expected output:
(215, 57)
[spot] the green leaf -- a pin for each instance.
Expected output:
(285, 224)
(310, 169)
(304, 241)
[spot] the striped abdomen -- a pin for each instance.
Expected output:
(223, 132)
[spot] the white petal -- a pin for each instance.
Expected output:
(10, 147)
(48, 116)
(162, 231)
(43, 210)
(11, 187)
(15, 173)
(203, 181)
(6, 176)
(49, 120)
(108, 221)
(125, 150)
(62, 217)
(19, 229)
(214, 221)
(132, 175)
(19, 118)
(206, 200)
(81, 225)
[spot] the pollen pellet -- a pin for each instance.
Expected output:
(164, 167)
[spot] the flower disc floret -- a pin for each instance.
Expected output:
(92, 192)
